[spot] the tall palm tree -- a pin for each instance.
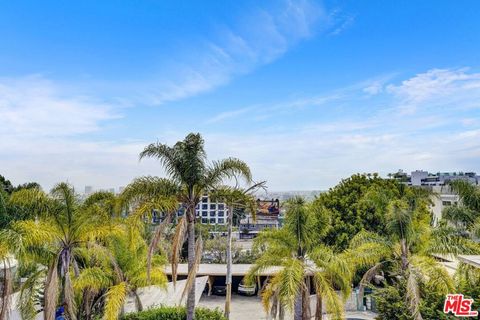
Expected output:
(120, 271)
(297, 250)
(407, 250)
(235, 198)
(190, 177)
(62, 227)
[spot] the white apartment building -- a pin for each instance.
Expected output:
(211, 212)
(207, 211)
(438, 183)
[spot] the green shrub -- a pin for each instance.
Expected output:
(174, 313)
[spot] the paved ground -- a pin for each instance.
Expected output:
(250, 308)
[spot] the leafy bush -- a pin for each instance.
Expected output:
(174, 313)
(390, 302)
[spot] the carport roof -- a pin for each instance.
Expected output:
(473, 260)
(207, 269)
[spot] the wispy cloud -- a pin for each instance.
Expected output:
(35, 106)
(261, 36)
(438, 87)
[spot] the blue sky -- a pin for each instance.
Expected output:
(307, 92)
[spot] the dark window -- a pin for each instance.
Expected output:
(204, 220)
(204, 213)
(221, 206)
(220, 220)
(212, 220)
(204, 206)
(220, 213)
(446, 203)
(213, 206)
(212, 213)
(205, 199)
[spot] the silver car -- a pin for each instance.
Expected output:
(247, 290)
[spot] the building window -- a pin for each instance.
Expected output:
(204, 206)
(204, 220)
(213, 206)
(446, 203)
(205, 199)
(221, 206)
(212, 213)
(204, 213)
(221, 220)
(220, 213)
(212, 220)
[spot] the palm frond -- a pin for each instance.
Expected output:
(93, 278)
(28, 302)
(433, 273)
(69, 296)
(192, 273)
(148, 188)
(115, 298)
(327, 293)
(413, 295)
(291, 280)
(367, 278)
(51, 291)
(227, 169)
(178, 240)
(159, 230)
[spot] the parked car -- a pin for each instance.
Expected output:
(219, 290)
(248, 290)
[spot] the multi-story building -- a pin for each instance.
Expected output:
(425, 178)
(210, 212)
(442, 195)
(207, 212)
(267, 217)
(88, 190)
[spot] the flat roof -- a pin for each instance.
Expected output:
(214, 269)
(473, 260)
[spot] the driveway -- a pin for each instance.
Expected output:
(250, 308)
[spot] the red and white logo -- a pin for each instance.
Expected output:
(459, 306)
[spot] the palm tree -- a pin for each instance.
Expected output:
(467, 212)
(235, 198)
(297, 250)
(407, 249)
(62, 227)
(190, 177)
(120, 271)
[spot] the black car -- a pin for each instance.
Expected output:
(219, 290)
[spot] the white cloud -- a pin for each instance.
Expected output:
(435, 82)
(34, 106)
(374, 88)
(260, 37)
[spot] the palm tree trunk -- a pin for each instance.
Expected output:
(318, 311)
(138, 302)
(404, 249)
(191, 260)
(228, 281)
(6, 291)
(298, 306)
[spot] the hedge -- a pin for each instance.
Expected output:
(174, 313)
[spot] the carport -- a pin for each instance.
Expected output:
(217, 273)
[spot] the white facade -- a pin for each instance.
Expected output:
(211, 212)
(442, 197)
